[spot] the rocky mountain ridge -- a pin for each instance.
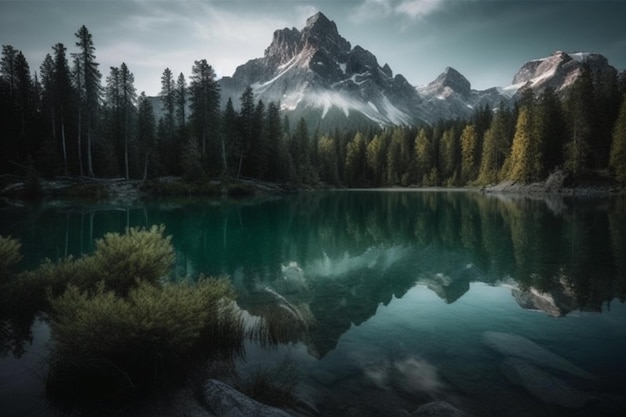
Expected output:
(316, 70)
(317, 74)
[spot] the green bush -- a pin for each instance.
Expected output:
(119, 261)
(10, 256)
(154, 334)
(139, 254)
(32, 289)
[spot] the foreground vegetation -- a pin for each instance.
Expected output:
(119, 326)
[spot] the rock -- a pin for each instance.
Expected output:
(438, 409)
(519, 347)
(543, 385)
(223, 400)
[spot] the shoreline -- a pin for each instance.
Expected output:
(120, 190)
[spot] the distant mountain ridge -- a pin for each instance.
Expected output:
(316, 73)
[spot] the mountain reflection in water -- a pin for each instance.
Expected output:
(391, 293)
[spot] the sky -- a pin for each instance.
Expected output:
(485, 40)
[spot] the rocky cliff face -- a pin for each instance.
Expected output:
(315, 70)
(559, 71)
(450, 96)
(316, 73)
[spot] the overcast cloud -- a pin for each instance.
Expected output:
(486, 40)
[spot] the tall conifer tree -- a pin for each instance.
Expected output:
(90, 88)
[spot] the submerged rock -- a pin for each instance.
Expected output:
(519, 347)
(223, 400)
(543, 385)
(438, 409)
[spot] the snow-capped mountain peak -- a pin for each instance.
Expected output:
(557, 71)
(315, 70)
(316, 73)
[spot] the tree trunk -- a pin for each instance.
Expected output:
(145, 168)
(89, 158)
(224, 162)
(80, 147)
(63, 146)
(126, 145)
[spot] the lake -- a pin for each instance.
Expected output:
(501, 306)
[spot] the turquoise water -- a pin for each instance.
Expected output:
(390, 296)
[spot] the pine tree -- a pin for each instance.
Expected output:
(399, 154)
(449, 156)
(204, 95)
(146, 133)
(424, 157)
(606, 109)
(617, 161)
(21, 104)
(523, 154)
(230, 139)
(246, 129)
(63, 93)
(549, 129)
(377, 159)
(129, 97)
(168, 100)
(469, 154)
(258, 146)
(299, 148)
(279, 164)
(327, 154)
(181, 100)
(90, 88)
(580, 120)
(356, 161)
(497, 147)
(121, 97)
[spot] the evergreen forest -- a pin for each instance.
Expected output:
(65, 119)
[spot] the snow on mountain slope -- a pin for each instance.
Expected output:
(316, 68)
(316, 73)
(558, 71)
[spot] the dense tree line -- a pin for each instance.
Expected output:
(63, 121)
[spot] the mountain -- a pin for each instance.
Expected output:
(559, 71)
(450, 96)
(314, 72)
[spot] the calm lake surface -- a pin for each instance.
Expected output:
(500, 306)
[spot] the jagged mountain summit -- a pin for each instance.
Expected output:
(559, 71)
(450, 96)
(316, 73)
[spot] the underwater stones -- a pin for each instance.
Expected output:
(522, 366)
(438, 409)
(543, 385)
(519, 347)
(223, 400)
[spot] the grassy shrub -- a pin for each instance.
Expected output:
(32, 289)
(155, 334)
(139, 254)
(10, 256)
(275, 387)
(119, 261)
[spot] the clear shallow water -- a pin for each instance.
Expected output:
(391, 293)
